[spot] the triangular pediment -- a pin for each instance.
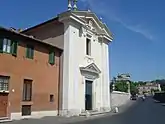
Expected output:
(91, 68)
(82, 18)
(97, 24)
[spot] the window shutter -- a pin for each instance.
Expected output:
(1, 44)
(27, 52)
(14, 48)
(51, 57)
(32, 52)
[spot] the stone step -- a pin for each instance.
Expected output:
(92, 113)
(5, 119)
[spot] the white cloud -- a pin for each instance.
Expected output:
(137, 29)
(110, 9)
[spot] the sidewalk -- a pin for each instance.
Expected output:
(66, 120)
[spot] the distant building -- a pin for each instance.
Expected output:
(148, 87)
(122, 77)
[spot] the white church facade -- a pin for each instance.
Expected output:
(85, 63)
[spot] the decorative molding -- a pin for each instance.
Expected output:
(82, 31)
(69, 5)
(90, 76)
(90, 23)
(91, 68)
(89, 59)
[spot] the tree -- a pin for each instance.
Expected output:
(141, 83)
(133, 88)
(121, 86)
(162, 87)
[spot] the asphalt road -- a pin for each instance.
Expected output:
(138, 112)
(147, 112)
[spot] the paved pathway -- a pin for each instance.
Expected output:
(148, 112)
(63, 120)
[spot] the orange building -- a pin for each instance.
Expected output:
(29, 76)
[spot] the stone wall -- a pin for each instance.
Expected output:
(119, 98)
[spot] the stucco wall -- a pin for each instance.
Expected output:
(51, 33)
(78, 53)
(73, 81)
(43, 76)
(119, 98)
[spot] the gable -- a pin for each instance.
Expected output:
(91, 68)
(97, 23)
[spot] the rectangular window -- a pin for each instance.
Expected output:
(29, 52)
(26, 110)
(27, 90)
(4, 83)
(88, 47)
(51, 98)
(52, 57)
(7, 45)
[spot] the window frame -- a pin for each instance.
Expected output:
(12, 46)
(7, 44)
(25, 111)
(4, 83)
(29, 51)
(27, 95)
(51, 98)
(88, 46)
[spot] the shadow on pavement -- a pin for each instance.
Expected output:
(111, 117)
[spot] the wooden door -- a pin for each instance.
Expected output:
(3, 104)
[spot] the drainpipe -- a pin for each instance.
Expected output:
(60, 84)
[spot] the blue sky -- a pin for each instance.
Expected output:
(138, 27)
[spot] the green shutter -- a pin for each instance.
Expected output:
(32, 52)
(1, 45)
(14, 48)
(27, 52)
(51, 57)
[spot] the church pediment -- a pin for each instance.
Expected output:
(94, 23)
(88, 20)
(91, 68)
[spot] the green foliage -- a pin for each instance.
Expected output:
(163, 87)
(121, 86)
(133, 87)
(141, 83)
